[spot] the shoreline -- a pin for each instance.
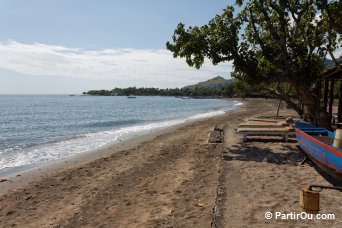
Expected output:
(169, 173)
(22, 175)
(56, 137)
(176, 179)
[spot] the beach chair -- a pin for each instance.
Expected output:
(265, 126)
(271, 120)
(265, 131)
(259, 124)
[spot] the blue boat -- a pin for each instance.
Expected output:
(317, 144)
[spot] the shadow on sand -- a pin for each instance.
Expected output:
(286, 154)
(332, 179)
(271, 140)
(256, 154)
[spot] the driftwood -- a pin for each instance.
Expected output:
(216, 136)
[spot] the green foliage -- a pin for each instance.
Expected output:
(98, 92)
(142, 92)
(216, 86)
(273, 44)
(233, 89)
(138, 92)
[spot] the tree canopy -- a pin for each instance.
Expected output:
(277, 44)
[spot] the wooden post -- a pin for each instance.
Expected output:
(331, 101)
(339, 113)
(309, 201)
(319, 88)
(319, 93)
(315, 119)
(278, 107)
(317, 102)
(326, 91)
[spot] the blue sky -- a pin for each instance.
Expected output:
(70, 46)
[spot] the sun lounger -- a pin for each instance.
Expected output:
(253, 124)
(263, 120)
(282, 131)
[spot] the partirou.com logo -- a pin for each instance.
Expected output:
(277, 215)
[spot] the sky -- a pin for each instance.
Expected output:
(71, 46)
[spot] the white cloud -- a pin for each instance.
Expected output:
(141, 67)
(338, 53)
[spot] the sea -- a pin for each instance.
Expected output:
(41, 128)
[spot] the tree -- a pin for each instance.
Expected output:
(278, 45)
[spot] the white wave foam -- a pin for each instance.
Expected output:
(237, 104)
(85, 142)
(206, 115)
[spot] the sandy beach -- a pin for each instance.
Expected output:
(172, 179)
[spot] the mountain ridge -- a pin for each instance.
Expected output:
(216, 83)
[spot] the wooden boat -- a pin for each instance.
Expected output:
(317, 144)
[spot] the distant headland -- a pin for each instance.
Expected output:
(215, 87)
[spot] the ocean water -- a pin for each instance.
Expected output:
(40, 128)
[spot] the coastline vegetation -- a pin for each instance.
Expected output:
(279, 49)
(236, 88)
(215, 87)
(277, 46)
(226, 92)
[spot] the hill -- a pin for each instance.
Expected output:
(216, 83)
(214, 87)
(331, 63)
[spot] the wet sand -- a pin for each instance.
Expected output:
(171, 179)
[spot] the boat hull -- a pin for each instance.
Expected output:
(324, 155)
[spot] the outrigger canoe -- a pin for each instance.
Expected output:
(317, 144)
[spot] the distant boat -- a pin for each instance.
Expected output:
(317, 144)
(185, 97)
(131, 97)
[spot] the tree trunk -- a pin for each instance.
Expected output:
(308, 108)
(312, 112)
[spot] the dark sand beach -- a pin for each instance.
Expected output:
(172, 179)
